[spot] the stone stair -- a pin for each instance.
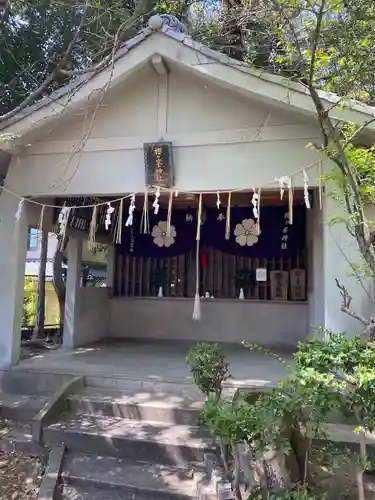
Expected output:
(137, 405)
(101, 477)
(23, 396)
(126, 443)
(162, 442)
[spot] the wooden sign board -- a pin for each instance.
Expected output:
(298, 284)
(159, 164)
(279, 285)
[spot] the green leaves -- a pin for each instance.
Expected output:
(328, 376)
(208, 367)
(29, 302)
(345, 368)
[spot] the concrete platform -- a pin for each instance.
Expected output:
(153, 361)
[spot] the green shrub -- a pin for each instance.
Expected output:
(208, 367)
(29, 302)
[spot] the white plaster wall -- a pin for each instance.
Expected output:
(52, 243)
(128, 111)
(221, 141)
(339, 250)
(194, 103)
(315, 265)
(93, 316)
(270, 324)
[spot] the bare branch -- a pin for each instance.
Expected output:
(315, 40)
(346, 302)
(357, 132)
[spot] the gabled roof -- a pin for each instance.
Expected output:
(171, 41)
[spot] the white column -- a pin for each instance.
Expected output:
(72, 295)
(13, 247)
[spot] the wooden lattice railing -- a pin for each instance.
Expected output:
(134, 275)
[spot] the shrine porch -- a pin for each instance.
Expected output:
(153, 362)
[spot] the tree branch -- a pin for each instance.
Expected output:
(315, 41)
(345, 305)
(52, 76)
(118, 39)
(357, 132)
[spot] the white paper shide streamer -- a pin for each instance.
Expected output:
(108, 216)
(284, 183)
(156, 205)
(19, 210)
(62, 224)
(306, 189)
(254, 201)
(218, 201)
(63, 220)
(129, 221)
(18, 216)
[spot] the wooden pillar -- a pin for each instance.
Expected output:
(72, 294)
(40, 311)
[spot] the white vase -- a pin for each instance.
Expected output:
(160, 294)
(241, 296)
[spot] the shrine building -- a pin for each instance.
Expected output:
(194, 170)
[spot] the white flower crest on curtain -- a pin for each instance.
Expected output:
(246, 233)
(159, 233)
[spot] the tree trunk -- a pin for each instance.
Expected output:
(362, 460)
(248, 466)
(277, 474)
(236, 472)
(40, 311)
(59, 284)
(300, 446)
(224, 456)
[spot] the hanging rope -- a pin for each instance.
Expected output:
(291, 184)
(158, 190)
(145, 223)
(169, 216)
(92, 230)
(197, 303)
(118, 230)
(227, 225)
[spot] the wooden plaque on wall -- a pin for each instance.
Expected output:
(298, 284)
(279, 285)
(159, 164)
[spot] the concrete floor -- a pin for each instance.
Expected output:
(162, 361)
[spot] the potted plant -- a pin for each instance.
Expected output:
(244, 280)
